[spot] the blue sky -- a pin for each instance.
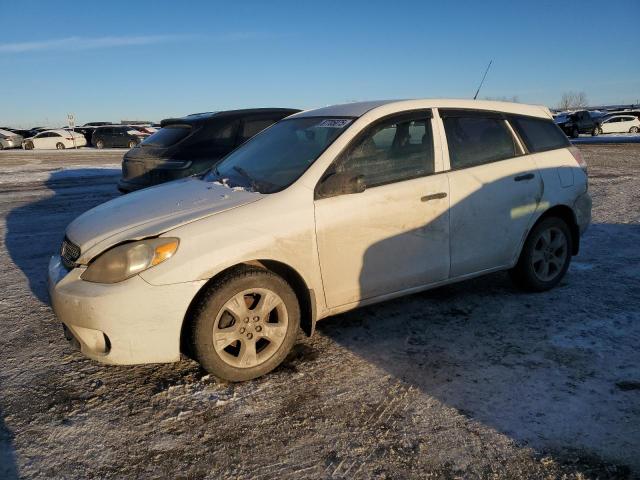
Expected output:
(150, 60)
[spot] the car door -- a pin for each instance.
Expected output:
(47, 140)
(393, 235)
(611, 125)
(494, 188)
(625, 124)
(38, 141)
(120, 137)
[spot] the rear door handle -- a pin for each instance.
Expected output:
(435, 196)
(526, 176)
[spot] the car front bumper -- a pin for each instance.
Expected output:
(130, 322)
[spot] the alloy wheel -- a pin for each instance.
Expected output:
(550, 254)
(250, 328)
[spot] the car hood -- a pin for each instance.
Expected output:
(150, 212)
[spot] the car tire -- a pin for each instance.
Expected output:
(575, 133)
(234, 335)
(59, 146)
(28, 146)
(132, 143)
(633, 130)
(100, 144)
(545, 256)
(595, 132)
(1, 147)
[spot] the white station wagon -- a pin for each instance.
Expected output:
(323, 212)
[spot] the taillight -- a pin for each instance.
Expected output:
(577, 154)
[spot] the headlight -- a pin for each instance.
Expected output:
(127, 260)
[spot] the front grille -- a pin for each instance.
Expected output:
(69, 252)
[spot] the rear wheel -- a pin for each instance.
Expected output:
(245, 324)
(132, 143)
(545, 256)
(575, 133)
(633, 130)
(60, 146)
(100, 144)
(595, 132)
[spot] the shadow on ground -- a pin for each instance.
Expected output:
(558, 371)
(26, 246)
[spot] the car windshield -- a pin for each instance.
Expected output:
(276, 157)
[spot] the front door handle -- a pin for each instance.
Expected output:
(435, 196)
(526, 176)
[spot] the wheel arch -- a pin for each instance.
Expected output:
(305, 296)
(567, 214)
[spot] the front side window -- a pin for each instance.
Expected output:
(538, 134)
(272, 161)
(475, 140)
(391, 151)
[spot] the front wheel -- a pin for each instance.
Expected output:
(100, 144)
(245, 324)
(132, 143)
(545, 256)
(633, 130)
(575, 133)
(596, 131)
(28, 146)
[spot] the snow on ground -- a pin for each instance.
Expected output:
(612, 138)
(473, 380)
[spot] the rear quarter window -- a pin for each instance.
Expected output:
(538, 134)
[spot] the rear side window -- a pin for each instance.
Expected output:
(167, 136)
(253, 127)
(539, 135)
(476, 140)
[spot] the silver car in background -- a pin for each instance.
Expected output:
(9, 140)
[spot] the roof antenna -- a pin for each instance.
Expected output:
(483, 77)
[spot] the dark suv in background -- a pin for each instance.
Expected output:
(191, 145)
(577, 123)
(117, 136)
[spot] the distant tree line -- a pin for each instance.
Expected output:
(573, 101)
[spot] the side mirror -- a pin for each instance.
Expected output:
(341, 184)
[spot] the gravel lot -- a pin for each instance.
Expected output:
(474, 380)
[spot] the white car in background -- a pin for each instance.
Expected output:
(619, 124)
(323, 212)
(58, 139)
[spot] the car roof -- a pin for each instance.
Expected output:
(230, 114)
(358, 109)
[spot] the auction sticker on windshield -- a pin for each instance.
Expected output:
(335, 122)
